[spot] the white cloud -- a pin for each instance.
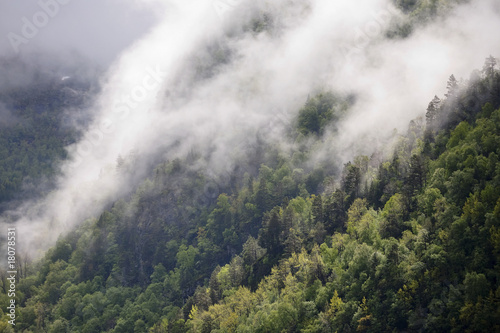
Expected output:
(317, 45)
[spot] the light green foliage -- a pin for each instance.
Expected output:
(412, 245)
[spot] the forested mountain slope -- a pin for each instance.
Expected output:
(41, 112)
(260, 207)
(409, 242)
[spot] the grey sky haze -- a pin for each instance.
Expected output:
(97, 29)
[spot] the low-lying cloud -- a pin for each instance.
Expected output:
(165, 90)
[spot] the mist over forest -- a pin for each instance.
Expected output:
(250, 166)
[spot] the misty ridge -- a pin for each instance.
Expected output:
(147, 128)
(218, 79)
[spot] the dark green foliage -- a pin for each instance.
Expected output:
(319, 111)
(270, 233)
(411, 246)
(33, 135)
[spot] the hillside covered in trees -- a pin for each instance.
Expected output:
(39, 116)
(408, 242)
(261, 212)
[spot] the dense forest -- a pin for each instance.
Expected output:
(405, 242)
(38, 119)
(405, 239)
